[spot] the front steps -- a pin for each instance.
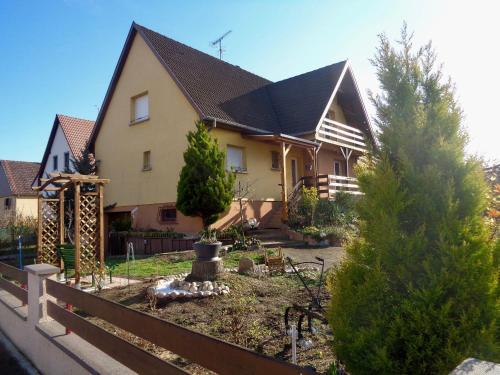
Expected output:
(274, 238)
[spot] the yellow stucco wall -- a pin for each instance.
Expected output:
(339, 113)
(264, 181)
(25, 206)
(120, 146)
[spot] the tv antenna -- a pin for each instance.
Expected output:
(219, 42)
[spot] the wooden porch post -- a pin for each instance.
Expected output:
(101, 226)
(347, 155)
(284, 192)
(77, 234)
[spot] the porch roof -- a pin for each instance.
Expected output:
(284, 138)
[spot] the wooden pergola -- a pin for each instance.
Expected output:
(88, 220)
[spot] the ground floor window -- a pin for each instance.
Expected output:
(168, 214)
(336, 168)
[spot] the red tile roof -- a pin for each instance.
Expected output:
(77, 132)
(19, 176)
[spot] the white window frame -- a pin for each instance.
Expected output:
(232, 162)
(146, 161)
(140, 108)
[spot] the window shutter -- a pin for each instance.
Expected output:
(141, 107)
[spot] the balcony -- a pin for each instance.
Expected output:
(329, 185)
(342, 135)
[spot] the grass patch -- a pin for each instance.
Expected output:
(163, 265)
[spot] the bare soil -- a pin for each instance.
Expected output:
(251, 315)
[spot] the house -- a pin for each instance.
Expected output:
(69, 136)
(308, 129)
(16, 195)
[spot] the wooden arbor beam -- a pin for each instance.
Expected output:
(284, 193)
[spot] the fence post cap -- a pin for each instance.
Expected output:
(42, 269)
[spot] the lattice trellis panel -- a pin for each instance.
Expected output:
(88, 232)
(49, 233)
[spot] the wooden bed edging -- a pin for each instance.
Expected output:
(209, 352)
(128, 354)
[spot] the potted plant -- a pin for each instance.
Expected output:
(207, 248)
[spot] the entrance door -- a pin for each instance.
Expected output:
(294, 172)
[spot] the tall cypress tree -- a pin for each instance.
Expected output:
(205, 188)
(418, 293)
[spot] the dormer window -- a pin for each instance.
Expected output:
(140, 108)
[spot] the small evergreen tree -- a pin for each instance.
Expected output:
(85, 163)
(205, 187)
(418, 293)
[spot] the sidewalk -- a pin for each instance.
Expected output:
(12, 362)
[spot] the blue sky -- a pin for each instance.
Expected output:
(58, 56)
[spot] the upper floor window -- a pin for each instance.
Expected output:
(140, 108)
(66, 161)
(146, 161)
(55, 165)
(7, 203)
(275, 160)
(235, 159)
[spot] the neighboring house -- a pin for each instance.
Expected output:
(16, 195)
(315, 122)
(68, 137)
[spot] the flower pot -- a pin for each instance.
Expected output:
(207, 251)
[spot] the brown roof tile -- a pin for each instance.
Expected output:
(19, 176)
(226, 92)
(77, 132)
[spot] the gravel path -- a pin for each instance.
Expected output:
(331, 255)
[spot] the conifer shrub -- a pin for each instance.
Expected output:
(418, 293)
(205, 188)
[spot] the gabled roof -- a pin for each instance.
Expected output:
(17, 177)
(77, 132)
(226, 93)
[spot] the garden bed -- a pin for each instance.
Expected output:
(251, 315)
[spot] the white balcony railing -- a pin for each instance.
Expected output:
(344, 184)
(342, 135)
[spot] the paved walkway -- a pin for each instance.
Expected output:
(12, 362)
(331, 255)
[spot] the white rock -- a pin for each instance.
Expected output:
(193, 289)
(224, 292)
